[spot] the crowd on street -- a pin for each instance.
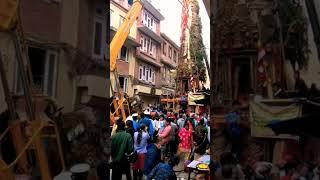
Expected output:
(153, 142)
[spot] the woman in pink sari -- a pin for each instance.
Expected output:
(185, 136)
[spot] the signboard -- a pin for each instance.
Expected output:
(261, 114)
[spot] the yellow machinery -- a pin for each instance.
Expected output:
(39, 129)
(119, 102)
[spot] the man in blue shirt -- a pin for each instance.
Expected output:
(164, 170)
(145, 119)
(152, 157)
(134, 123)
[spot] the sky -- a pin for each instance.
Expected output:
(171, 10)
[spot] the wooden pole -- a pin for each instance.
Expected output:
(6, 90)
(25, 83)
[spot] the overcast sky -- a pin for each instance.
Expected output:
(171, 10)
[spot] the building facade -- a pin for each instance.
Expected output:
(126, 57)
(169, 60)
(65, 50)
(147, 67)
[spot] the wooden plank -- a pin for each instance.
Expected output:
(41, 155)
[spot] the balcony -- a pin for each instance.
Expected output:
(94, 84)
(146, 31)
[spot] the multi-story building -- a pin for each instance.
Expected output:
(169, 60)
(147, 66)
(126, 57)
(66, 44)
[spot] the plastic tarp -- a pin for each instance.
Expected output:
(195, 97)
(262, 114)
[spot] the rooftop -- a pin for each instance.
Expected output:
(148, 6)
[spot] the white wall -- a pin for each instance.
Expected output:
(312, 73)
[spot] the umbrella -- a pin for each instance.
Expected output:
(304, 125)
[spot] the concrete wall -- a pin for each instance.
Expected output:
(7, 51)
(70, 22)
(312, 73)
(317, 6)
(115, 18)
(66, 91)
(41, 19)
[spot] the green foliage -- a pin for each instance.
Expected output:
(294, 27)
(197, 48)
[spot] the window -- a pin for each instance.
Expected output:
(148, 21)
(164, 48)
(153, 77)
(175, 56)
(121, 20)
(111, 16)
(43, 66)
(140, 73)
(123, 84)
(99, 36)
(170, 52)
(124, 53)
(147, 74)
(148, 46)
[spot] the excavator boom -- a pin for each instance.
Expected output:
(123, 32)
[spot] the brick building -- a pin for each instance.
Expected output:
(169, 60)
(65, 42)
(147, 67)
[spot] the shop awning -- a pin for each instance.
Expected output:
(193, 98)
(304, 125)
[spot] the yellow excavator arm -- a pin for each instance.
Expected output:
(115, 47)
(123, 32)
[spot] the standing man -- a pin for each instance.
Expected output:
(145, 119)
(121, 143)
(181, 120)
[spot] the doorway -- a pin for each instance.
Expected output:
(241, 78)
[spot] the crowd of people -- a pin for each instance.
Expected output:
(152, 142)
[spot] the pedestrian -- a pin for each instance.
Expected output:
(165, 137)
(129, 127)
(152, 157)
(121, 143)
(173, 142)
(181, 121)
(185, 136)
(145, 119)
(164, 170)
(200, 138)
(140, 145)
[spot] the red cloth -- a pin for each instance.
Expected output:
(139, 164)
(287, 177)
(185, 137)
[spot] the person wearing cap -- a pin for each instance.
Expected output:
(134, 123)
(147, 122)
